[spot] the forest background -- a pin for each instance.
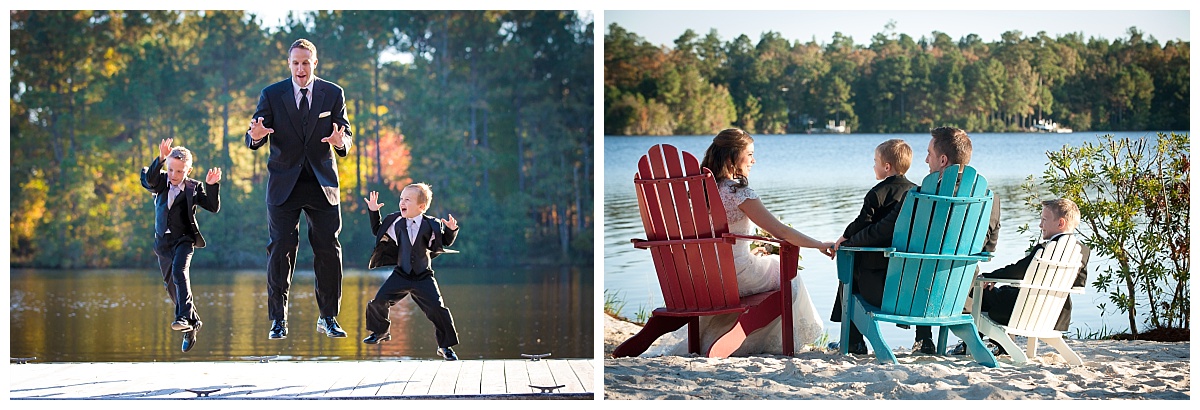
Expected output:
(494, 110)
(894, 84)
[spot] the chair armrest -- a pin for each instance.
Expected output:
(733, 237)
(645, 244)
(981, 279)
(979, 257)
(1050, 262)
(864, 249)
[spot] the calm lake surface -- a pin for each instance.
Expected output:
(123, 316)
(816, 183)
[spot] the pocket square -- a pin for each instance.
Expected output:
(324, 114)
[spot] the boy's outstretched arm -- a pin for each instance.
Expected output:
(373, 207)
(210, 197)
(452, 230)
(152, 177)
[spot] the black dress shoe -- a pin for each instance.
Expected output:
(960, 349)
(996, 349)
(925, 346)
(376, 338)
(859, 347)
(330, 326)
(278, 329)
(447, 353)
(189, 337)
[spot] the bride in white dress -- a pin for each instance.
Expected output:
(730, 158)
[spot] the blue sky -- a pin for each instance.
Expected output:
(663, 27)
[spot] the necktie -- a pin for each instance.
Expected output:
(304, 106)
(405, 253)
(171, 195)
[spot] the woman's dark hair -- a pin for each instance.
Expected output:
(722, 154)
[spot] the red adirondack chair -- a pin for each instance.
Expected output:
(688, 236)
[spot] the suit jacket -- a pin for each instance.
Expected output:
(877, 204)
(207, 196)
(432, 240)
(1017, 270)
(880, 234)
(293, 144)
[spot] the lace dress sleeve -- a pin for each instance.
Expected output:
(732, 198)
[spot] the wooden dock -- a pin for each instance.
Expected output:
(307, 380)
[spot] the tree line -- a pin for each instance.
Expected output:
(494, 110)
(894, 84)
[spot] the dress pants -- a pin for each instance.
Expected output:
(324, 225)
(174, 260)
(425, 292)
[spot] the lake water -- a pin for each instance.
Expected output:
(816, 183)
(123, 316)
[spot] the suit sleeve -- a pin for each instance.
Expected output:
(448, 236)
(375, 222)
(1081, 280)
(871, 204)
(264, 111)
(152, 177)
(878, 234)
(209, 197)
(1015, 270)
(339, 117)
(993, 233)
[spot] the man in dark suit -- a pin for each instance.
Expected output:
(410, 240)
(176, 233)
(948, 146)
(1060, 217)
(304, 118)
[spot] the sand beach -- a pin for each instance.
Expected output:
(1112, 369)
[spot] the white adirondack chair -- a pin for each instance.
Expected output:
(1047, 282)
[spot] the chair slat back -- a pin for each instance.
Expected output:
(678, 199)
(947, 215)
(1055, 266)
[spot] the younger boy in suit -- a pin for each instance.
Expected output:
(176, 233)
(892, 159)
(410, 240)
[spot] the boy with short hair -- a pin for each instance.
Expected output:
(892, 159)
(410, 240)
(176, 233)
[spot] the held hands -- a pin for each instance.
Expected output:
(336, 138)
(257, 130)
(450, 223)
(373, 201)
(164, 149)
(827, 249)
(214, 176)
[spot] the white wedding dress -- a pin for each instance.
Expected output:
(755, 274)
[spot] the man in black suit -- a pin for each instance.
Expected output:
(410, 239)
(304, 118)
(176, 233)
(1060, 217)
(948, 146)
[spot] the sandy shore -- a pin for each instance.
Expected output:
(1111, 370)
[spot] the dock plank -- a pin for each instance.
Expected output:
(516, 377)
(493, 381)
(469, 378)
(292, 380)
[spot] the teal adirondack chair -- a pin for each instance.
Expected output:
(936, 245)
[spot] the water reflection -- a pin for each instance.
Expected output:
(122, 315)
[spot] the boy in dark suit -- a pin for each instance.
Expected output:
(410, 239)
(892, 159)
(176, 233)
